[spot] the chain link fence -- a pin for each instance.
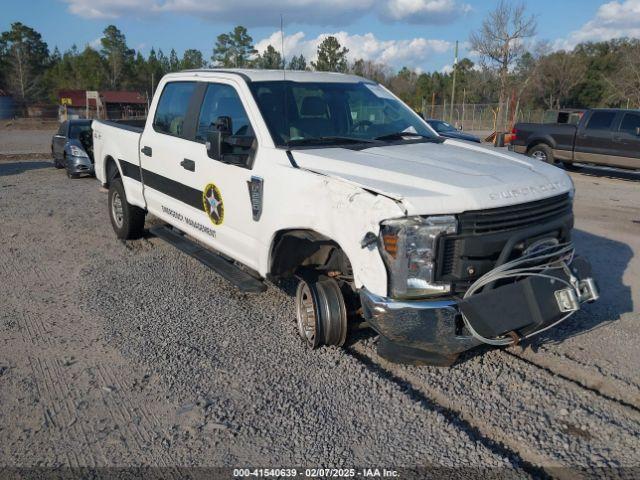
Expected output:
(51, 112)
(481, 116)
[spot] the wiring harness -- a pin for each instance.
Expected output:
(538, 263)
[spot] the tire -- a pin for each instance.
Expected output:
(542, 152)
(72, 175)
(56, 163)
(321, 312)
(127, 220)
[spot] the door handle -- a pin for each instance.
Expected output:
(188, 165)
(147, 151)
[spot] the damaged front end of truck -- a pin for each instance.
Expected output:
(495, 276)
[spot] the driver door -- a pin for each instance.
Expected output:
(226, 208)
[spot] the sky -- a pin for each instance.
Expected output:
(419, 34)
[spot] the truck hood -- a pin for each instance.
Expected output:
(432, 178)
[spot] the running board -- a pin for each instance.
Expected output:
(226, 269)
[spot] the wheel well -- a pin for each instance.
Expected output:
(293, 250)
(111, 169)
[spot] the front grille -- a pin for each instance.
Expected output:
(514, 216)
(483, 234)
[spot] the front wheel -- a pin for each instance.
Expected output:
(543, 153)
(321, 312)
(56, 163)
(127, 220)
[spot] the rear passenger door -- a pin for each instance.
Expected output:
(594, 142)
(627, 141)
(162, 152)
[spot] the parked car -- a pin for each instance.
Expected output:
(447, 130)
(609, 137)
(330, 178)
(72, 149)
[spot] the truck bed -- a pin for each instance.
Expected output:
(136, 125)
(559, 136)
(117, 140)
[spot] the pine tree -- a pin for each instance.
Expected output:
(192, 59)
(332, 57)
(233, 49)
(270, 59)
(23, 58)
(298, 63)
(118, 56)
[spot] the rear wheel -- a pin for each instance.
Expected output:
(127, 220)
(321, 312)
(542, 152)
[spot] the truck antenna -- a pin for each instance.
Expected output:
(282, 43)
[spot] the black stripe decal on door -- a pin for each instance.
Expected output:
(181, 192)
(130, 170)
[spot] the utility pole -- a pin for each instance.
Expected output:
(453, 88)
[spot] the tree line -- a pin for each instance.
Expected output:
(509, 68)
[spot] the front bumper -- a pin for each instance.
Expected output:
(435, 328)
(425, 325)
(76, 165)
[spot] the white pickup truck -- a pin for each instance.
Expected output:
(439, 245)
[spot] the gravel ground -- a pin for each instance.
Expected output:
(131, 353)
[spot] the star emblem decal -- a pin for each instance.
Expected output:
(212, 203)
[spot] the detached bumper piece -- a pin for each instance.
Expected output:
(528, 305)
(433, 333)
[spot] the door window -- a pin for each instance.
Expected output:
(222, 101)
(630, 123)
(172, 108)
(601, 120)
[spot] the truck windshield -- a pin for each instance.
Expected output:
(309, 114)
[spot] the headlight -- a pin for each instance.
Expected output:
(408, 247)
(77, 152)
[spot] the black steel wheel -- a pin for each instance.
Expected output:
(321, 312)
(542, 152)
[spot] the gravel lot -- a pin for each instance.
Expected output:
(131, 353)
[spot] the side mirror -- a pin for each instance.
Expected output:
(214, 145)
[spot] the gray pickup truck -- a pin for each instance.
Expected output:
(609, 137)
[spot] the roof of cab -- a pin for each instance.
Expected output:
(256, 75)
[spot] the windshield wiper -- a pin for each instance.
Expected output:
(402, 135)
(327, 139)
